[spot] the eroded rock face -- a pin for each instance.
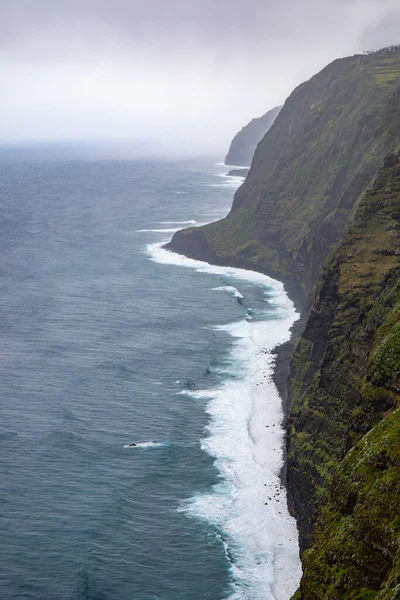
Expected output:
(344, 428)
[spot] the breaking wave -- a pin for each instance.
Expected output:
(245, 436)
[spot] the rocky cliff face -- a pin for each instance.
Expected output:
(344, 427)
(309, 169)
(319, 211)
(245, 142)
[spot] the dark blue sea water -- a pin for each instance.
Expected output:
(105, 339)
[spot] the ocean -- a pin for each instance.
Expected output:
(107, 339)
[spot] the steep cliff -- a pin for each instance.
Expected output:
(245, 142)
(344, 432)
(316, 206)
(308, 171)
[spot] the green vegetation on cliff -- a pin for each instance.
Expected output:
(308, 171)
(344, 433)
(317, 206)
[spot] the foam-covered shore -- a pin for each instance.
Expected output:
(246, 437)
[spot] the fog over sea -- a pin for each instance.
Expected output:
(107, 339)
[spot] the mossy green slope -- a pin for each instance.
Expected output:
(344, 428)
(356, 553)
(308, 171)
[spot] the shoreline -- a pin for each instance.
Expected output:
(196, 247)
(246, 434)
(282, 352)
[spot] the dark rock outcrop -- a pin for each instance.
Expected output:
(238, 173)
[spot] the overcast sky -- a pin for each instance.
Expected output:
(177, 71)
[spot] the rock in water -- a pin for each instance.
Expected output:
(238, 173)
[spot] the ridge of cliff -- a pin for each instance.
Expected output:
(244, 144)
(308, 171)
(343, 472)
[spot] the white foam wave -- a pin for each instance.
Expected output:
(169, 230)
(232, 178)
(190, 222)
(159, 254)
(246, 438)
(230, 289)
(250, 507)
(231, 182)
(238, 175)
(234, 166)
(200, 394)
(147, 445)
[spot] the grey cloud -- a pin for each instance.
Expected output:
(208, 19)
(47, 30)
(385, 32)
(196, 70)
(51, 28)
(208, 16)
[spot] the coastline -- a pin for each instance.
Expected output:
(196, 247)
(275, 363)
(246, 436)
(180, 244)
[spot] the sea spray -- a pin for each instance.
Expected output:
(230, 289)
(245, 436)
